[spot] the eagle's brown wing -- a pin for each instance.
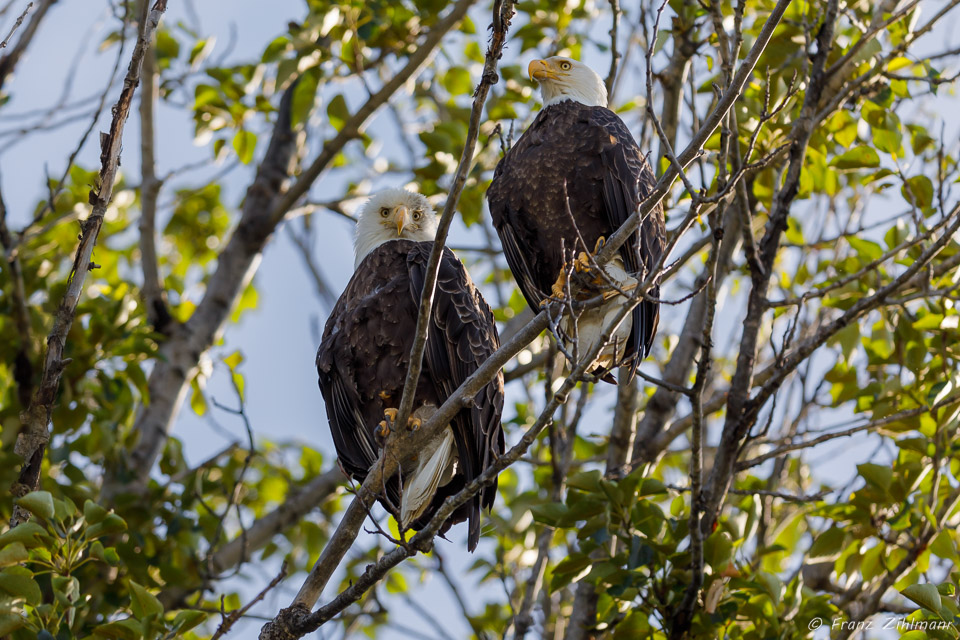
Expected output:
(462, 336)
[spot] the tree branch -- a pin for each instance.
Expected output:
(153, 294)
(262, 531)
(9, 62)
(502, 14)
(34, 434)
(266, 204)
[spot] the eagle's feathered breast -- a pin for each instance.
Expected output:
(575, 175)
(363, 359)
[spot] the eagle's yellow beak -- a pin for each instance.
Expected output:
(541, 70)
(401, 213)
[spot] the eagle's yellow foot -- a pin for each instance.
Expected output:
(582, 263)
(383, 395)
(414, 424)
(559, 288)
(386, 426)
(588, 262)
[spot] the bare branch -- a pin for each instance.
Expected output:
(614, 52)
(9, 62)
(153, 293)
(502, 14)
(34, 434)
(16, 25)
(229, 619)
(735, 427)
(265, 206)
(257, 535)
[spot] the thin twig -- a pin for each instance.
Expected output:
(16, 25)
(34, 434)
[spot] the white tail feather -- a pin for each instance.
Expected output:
(421, 485)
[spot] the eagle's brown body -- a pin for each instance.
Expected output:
(363, 358)
(582, 159)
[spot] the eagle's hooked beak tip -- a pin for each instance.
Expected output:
(401, 212)
(539, 70)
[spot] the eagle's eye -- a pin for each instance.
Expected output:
(417, 215)
(384, 212)
(566, 66)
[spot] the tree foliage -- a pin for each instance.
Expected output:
(790, 453)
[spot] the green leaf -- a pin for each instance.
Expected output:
(879, 476)
(244, 143)
(868, 250)
(396, 583)
(10, 622)
(943, 545)
(925, 595)
(549, 513)
(12, 554)
(337, 112)
(142, 602)
(857, 158)
(39, 503)
(19, 582)
(885, 127)
(585, 480)
(30, 534)
(304, 97)
(918, 191)
(186, 620)
(233, 360)
(651, 486)
(828, 544)
(111, 524)
(128, 629)
(198, 402)
(718, 549)
(94, 513)
(458, 81)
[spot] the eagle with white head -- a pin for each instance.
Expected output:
(364, 356)
(570, 181)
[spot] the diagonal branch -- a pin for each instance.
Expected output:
(267, 202)
(693, 150)
(353, 518)
(9, 62)
(34, 434)
(262, 531)
(502, 14)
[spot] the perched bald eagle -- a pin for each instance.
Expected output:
(363, 360)
(570, 181)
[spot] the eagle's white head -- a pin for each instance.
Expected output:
(565, 79)
(390, 215)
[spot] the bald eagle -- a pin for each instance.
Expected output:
(570, 181)
(364, 355)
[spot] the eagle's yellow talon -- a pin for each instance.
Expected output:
(385, 426)
(384, 395)
(600, 242)
(582, 263)
(560, 286)
(413, 424)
